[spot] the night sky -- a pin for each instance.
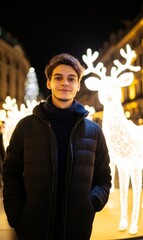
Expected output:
(63, 26)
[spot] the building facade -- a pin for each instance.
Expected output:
(14, 66)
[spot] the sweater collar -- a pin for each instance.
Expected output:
(46, 107)
(59, 113)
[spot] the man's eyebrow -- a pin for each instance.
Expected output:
(71, 75)
(57, 74)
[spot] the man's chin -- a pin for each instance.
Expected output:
(63, 99)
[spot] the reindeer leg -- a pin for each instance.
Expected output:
(136, 178)
(124, 178)
(113, 171)
(142, 196)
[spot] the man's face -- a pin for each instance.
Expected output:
(64, 83)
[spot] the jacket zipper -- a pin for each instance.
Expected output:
(70, 152)
(53, 175)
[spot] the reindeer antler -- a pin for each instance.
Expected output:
(128, 55)
(100, 70)
(89, 59)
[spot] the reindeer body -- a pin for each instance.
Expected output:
(124, 138)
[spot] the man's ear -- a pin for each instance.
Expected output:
(78, 88)
(48, 84)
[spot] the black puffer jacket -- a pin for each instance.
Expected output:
(29, 176)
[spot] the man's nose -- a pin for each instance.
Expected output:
(65, 81)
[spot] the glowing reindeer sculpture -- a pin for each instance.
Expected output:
(14, 115)
(124, 138)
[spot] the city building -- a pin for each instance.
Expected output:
(14, 66)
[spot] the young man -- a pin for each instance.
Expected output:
(56, 171)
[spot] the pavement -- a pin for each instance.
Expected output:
(6, 232)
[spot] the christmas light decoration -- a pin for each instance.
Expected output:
(91, 111)
(11, 114)
(31, 85)
(124, 138)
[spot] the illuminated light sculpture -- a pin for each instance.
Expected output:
(31, 85)
(91, 111)
(124, 138)
(13, 115)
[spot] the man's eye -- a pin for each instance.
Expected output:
(72, 79)
(57, 78)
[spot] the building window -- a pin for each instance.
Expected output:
(8, 84)
(132, 92)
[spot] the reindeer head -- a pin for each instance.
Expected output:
(109, 87)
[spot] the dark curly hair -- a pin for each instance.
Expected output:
(67, 59)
